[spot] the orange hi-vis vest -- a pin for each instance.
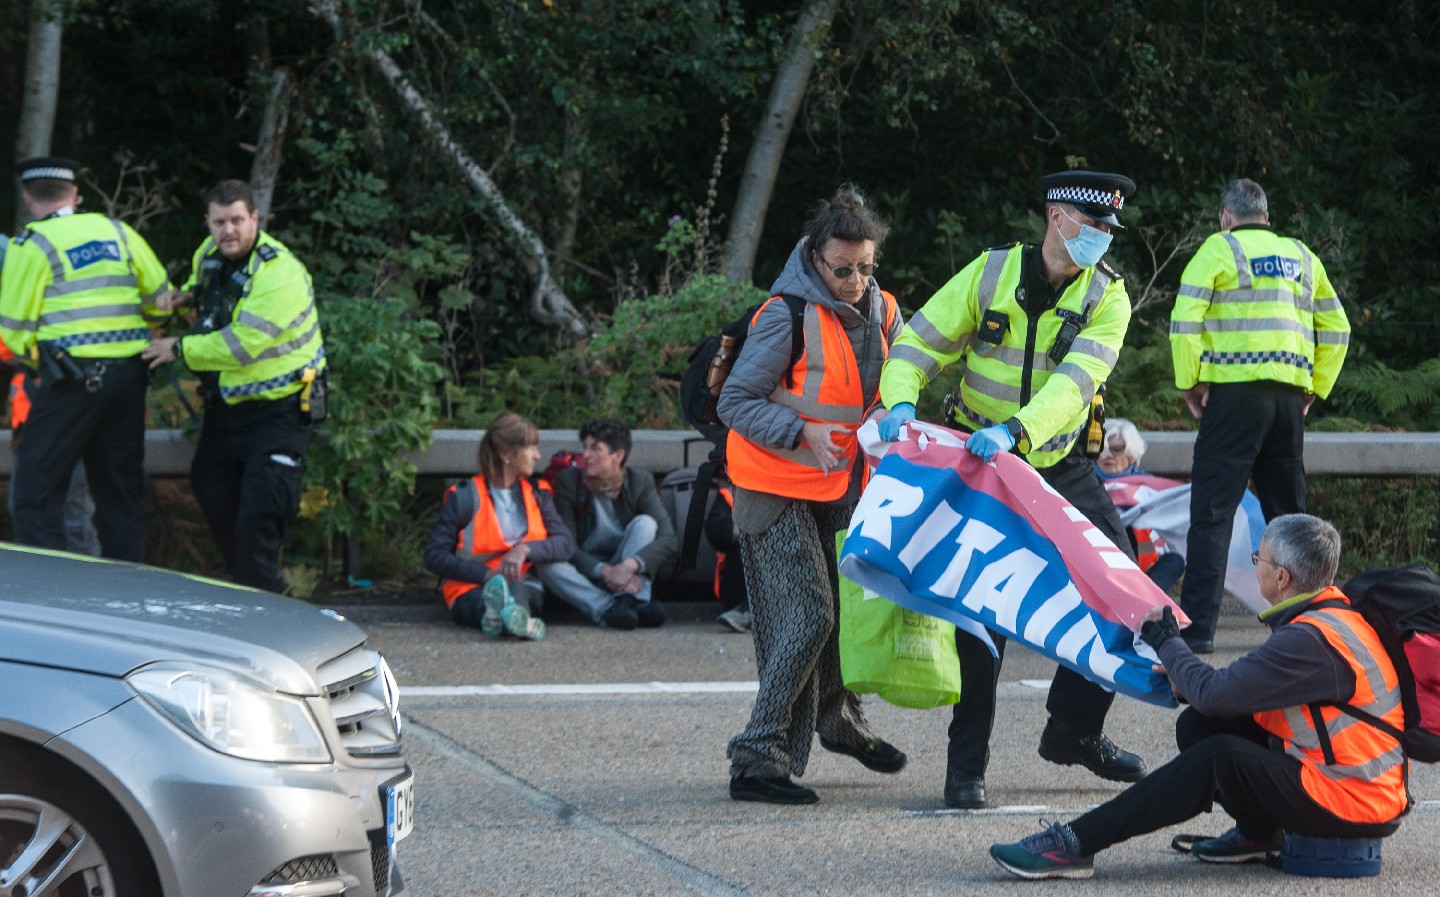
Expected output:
(1363, 779)
(481, 539)
(19, 397)
(824, 387)
(19, 400)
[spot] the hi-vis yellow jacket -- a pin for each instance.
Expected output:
(1014, 377)
(85, 283)
(1254, 305)
(273, 332)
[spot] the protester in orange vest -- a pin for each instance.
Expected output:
(729, 565)
(793, 458)
(1249, 741)
(1121, 456)
(493, 528)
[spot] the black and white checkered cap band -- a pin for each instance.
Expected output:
(59, 174)
(1112, 198)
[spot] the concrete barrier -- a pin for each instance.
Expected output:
(452, 453)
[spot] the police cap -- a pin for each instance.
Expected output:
(1099, 194)
(57, 168)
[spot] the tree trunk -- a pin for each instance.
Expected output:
(548, 303)
(42, 88)
(762, 166)
(266, 168)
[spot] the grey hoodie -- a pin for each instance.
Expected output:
(745, 404)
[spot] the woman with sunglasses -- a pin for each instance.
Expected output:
(793, 458)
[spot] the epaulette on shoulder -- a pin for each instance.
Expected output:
(267, 253)
(1109, 271)
(1003, 247)
(20, 238)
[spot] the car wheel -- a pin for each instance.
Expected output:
(62, 836)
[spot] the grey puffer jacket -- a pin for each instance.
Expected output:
(745, 404)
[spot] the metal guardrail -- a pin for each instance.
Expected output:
(452, 453)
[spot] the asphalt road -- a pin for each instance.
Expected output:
(593, 763)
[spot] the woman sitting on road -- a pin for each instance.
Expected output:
(493, 527)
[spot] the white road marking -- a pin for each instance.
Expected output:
(586, 688)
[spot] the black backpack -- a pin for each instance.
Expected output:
(1402, 604)
(709, 368)
(712, 360)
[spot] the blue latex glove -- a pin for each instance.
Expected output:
(890, 424)
(985, 443)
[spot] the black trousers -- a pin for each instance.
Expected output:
(247, 477)
(1073, 699)
(1248, 429)
(105, 429)
(1228, 761)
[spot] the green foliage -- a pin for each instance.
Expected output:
(1407, 400)
(1382, 522)
(630, 370)
(383, 403)
(644, 349)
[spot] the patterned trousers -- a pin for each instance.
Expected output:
(794, 600)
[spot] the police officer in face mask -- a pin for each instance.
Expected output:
(1038, 329)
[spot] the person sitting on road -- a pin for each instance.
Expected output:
(1249, 738)
(623, 531)
(494, 529)
(1124, 447)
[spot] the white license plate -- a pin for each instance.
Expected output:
(399, 809)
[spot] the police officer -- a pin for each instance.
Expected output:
(1257, 333)
(77, 295)
(1038, 329)
(257, 348)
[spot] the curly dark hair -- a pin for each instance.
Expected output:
(613, 433)
(845, 216)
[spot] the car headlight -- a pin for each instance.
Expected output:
(231, 714)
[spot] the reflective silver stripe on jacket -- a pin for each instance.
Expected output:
(1257, 325)
(1385, 701)
(81, 314)
(238, 350)
(933, 339)
(808, 403)
(82, 284)
(927, 365)
(990, 277)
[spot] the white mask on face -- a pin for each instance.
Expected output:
(1089, 246)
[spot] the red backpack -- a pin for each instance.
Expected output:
(1403, 606)
(559, 461)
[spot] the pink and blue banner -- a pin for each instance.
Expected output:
(1163, 507)
(943, 533)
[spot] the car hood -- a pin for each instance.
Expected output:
(106, 617)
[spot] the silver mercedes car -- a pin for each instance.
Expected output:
(164, 734)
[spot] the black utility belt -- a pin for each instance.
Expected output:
(56, 366)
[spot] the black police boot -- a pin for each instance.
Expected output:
(1064, 744)
(964, 792)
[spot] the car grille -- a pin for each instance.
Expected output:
(364, 701)
(380, 862)
(304, 869)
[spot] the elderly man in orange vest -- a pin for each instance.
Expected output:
(1265, 737)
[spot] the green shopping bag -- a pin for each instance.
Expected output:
(908, 659)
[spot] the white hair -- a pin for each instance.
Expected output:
(1134, 442)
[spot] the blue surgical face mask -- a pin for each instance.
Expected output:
(1088, 247)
